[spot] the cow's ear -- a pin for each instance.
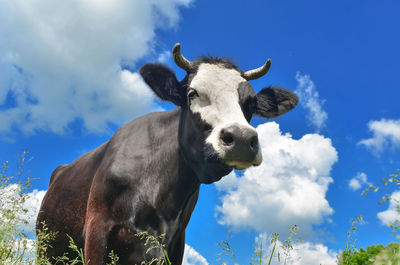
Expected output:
(163, 82)
(275, 101)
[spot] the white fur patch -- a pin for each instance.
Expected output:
(218, 101)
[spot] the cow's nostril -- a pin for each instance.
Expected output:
(226, 137)
(254, 143)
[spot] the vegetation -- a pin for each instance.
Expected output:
(374, 254)
(264, 254)
(18, 246)
(360, 257)
(392, 180)
(15, 245)
(154, 242)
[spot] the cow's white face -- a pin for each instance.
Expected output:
(214, 95)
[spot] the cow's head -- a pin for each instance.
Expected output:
(217, 104)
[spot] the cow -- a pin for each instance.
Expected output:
(147, 176)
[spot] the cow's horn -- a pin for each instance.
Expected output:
(181, 61)
(257, 73)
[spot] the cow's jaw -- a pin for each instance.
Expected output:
(218, 106)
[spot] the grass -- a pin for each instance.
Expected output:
(264, 253)
(374, 254)
(154, 242)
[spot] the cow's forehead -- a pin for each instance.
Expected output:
(218, 101)
(215, 79)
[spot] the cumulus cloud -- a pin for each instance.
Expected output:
(288, 188)
(32, 204)
(30, 208)
(309, 99)
(304, 253)
(192, 257)
(64, 62)
(358, 181)
(308, 253)
(392, 214)
(386, 134)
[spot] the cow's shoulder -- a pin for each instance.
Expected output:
(138, 157)
(142, 144)
(152, 126)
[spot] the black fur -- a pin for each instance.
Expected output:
(247, 99)
(225, 62)
(275, 101)
(163, 82)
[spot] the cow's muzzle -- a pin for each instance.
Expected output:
(241, 146)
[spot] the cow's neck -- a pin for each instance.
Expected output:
(178, 191)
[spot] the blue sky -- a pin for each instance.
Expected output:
(68, 80)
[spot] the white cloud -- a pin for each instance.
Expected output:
(386, 134)
(392, 214)
(32, 204)
(288, 188)
(164, 57)
(304, 253)
(61, 62)
(192, 257)
(308, 253)
(358, 181)
(30, 208)
(309, 99)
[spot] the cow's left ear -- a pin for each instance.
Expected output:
(163, 82)
(275, 101)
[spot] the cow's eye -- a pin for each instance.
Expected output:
(192, 94)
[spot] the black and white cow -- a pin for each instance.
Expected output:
(147, 176)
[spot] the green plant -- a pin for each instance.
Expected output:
(393, 179)
(258, 257)
(258, 251)
(287, 245)
(113, 258)
(363, 256)
(390, 255)
(15, 244)
(273, 241)
(154, 242)
(346, 256)
(43, 240)
(257, 254)
(227, 251)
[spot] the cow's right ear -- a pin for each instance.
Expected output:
(163, 82)
(274, 101)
